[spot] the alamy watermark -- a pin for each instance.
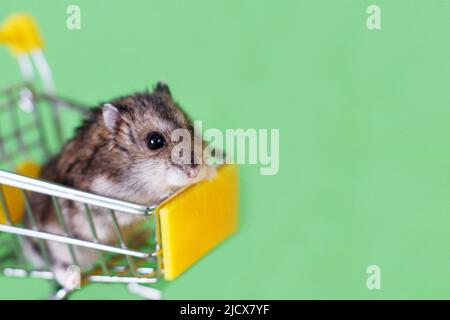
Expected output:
(73, 21)
(242, 146)
(374, 18)
(374, 279)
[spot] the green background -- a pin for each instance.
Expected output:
(364, 132)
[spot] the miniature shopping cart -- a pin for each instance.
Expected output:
(175, 234)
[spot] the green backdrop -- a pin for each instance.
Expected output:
(364, 132)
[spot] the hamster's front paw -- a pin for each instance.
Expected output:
(207, 172)
(67, 276)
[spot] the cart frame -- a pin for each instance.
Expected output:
(32, 127)
(128, 273)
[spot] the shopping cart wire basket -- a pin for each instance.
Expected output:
(174, 234)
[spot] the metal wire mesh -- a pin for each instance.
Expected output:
(31, 129)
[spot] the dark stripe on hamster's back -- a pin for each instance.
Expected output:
(89, 160)
(164, 110)
(72, 166)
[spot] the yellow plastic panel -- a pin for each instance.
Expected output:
(13, 196)
(196, 220)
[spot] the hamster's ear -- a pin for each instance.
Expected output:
(162, 87)
(111, 116)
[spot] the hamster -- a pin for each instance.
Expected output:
(122, 151)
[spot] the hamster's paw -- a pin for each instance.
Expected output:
(67, 276)
(206, 172)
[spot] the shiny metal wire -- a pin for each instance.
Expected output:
(19, 140)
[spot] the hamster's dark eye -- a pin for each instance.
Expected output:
(156, 141)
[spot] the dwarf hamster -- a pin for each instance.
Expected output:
(123, 151)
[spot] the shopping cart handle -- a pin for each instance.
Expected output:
(20, 33)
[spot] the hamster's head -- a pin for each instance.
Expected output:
(152, 141)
